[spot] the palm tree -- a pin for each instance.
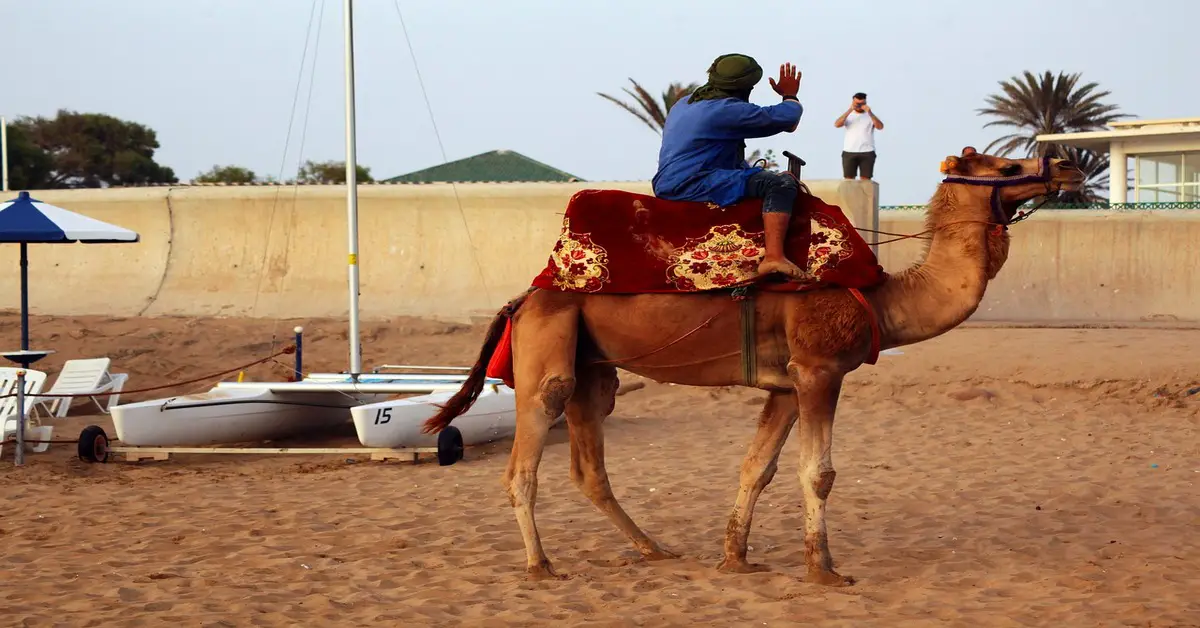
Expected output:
(1047, 104)
(647, 107)
(654, 115)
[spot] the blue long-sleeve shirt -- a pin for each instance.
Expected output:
(701, 155)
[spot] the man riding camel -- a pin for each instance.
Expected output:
(703, 149)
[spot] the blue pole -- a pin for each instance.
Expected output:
(299, 352)
(24, 296)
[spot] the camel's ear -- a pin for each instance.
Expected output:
(950, 164)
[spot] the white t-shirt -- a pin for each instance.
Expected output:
(860, 133)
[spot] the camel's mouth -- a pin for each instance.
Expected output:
(1067, 176)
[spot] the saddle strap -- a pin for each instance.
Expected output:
(749, 341)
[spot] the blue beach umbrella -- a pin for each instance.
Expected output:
(27, 220)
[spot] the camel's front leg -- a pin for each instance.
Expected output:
(758, 469)
(817, 391)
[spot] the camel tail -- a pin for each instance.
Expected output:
(477, 377)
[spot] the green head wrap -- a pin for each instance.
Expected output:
(727, 76)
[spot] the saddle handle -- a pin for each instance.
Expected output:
(794, 164)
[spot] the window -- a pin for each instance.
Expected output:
(1167, 178)
(1191, 169)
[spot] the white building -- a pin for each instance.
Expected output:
(1150, 161)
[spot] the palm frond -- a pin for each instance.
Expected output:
(640, 115)
(1030, 105)
(648, 103)
(653, 111)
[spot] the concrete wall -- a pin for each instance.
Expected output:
(276, 252)
(280, 252)
(1083, 266)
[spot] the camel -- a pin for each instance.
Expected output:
(563, 345)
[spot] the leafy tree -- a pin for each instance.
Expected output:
(227, 174)
(29, 167)
(1035, 105)
(91, 150)
(647, 108)
(769, 156)
(331, 172)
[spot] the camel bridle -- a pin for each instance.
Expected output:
(1044, 175)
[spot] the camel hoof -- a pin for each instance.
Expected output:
(659, 554)
(828, 578)
(741, 566)
(541, 572)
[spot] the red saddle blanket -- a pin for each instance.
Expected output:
(621, 242)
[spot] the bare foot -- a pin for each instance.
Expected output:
(735, 565)
(542, 571)
(782, 266)
(828, 578)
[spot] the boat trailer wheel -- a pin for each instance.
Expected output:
(93, 444)
(450, 446)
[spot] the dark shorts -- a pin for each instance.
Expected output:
(864, 163)
(777, 189)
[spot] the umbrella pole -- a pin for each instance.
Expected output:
(24, 296)
(19, 456)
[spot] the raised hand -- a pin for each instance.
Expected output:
(789, 81)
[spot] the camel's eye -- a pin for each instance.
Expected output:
(1011, 170)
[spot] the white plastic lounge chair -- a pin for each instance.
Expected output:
(82, 377)
(34, 380)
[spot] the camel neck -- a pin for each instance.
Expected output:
(942, 290)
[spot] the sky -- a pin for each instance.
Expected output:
(217, 79)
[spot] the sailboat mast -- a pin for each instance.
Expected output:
(3, 154)
(352, 193)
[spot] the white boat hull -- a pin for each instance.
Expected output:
(224, 415)
(397, 422)
(258, 411)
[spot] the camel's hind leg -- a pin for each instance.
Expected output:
(758, 469)
(544, 357)
(594, 398)
(817, 391)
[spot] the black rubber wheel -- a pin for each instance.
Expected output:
(93, 444)
(450, 446)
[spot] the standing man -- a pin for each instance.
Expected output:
(858, 150)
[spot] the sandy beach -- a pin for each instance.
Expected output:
(990, 477)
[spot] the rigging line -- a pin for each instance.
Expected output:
(283, 160)
(296, 96)
(428, 107)
(307, 108)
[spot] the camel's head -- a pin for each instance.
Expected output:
(993, 188)
(1005, 184)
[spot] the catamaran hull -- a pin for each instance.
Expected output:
(231, 416)
(397, 422)
(234, 412)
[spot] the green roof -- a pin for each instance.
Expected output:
(494, 166)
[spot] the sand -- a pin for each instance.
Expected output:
(990, 477)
